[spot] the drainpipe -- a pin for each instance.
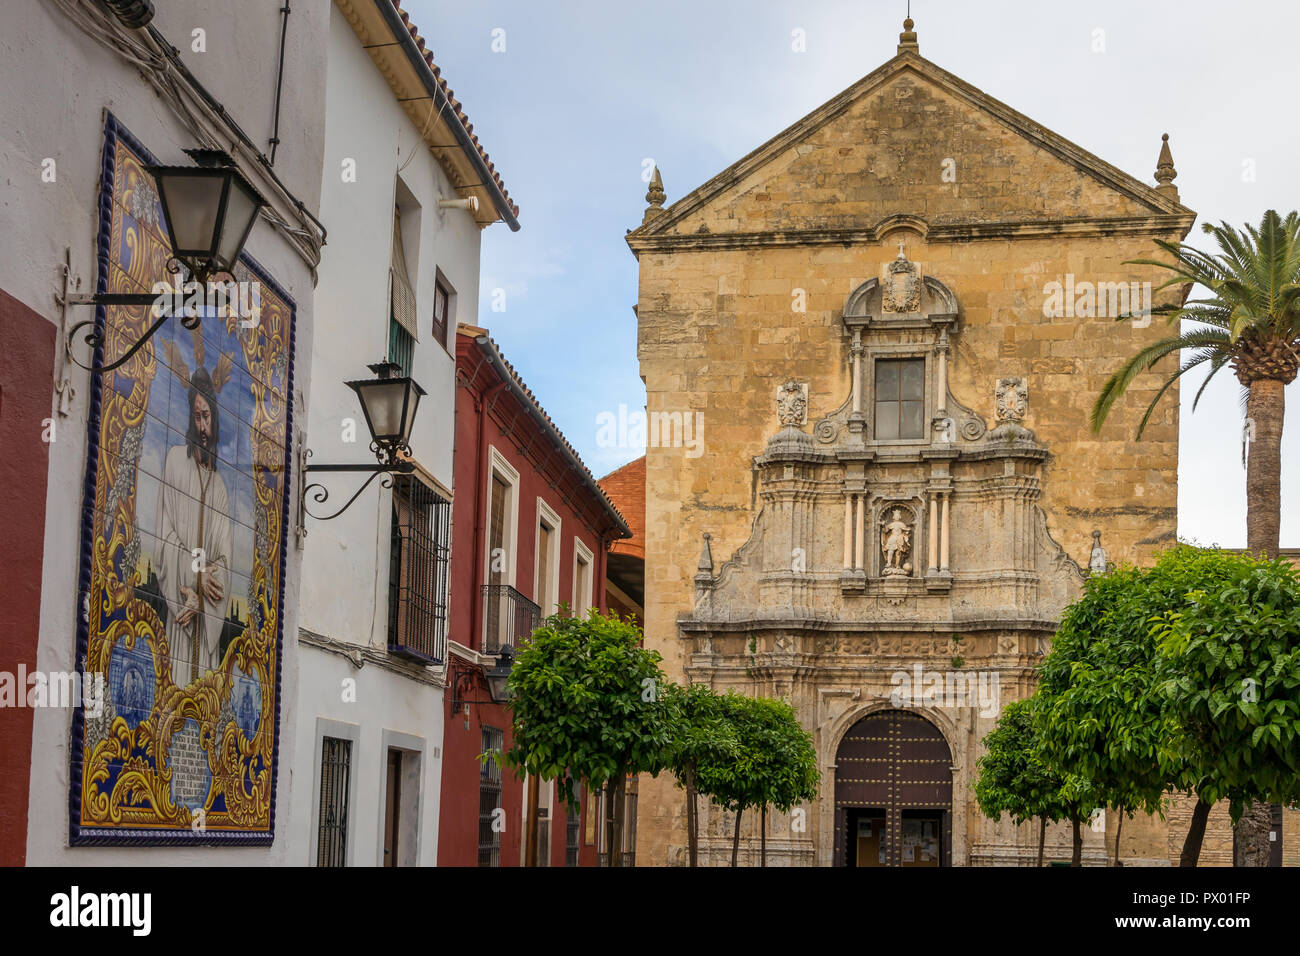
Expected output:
(480, 519)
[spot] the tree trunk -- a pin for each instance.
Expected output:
(1042, 837)
(692, 820)
(1265, 411)
(1251, 846)
(530, 835)
(762, 838)
(616, 847)
(735, 840)
(1076, 858)
(1119, 828)
(1195, 834)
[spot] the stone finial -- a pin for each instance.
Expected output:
(907, 39)
(1165, 171)
(704, 580)
(706, 556)
(654, 197)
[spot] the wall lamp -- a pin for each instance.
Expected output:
(209, 209)
(389, 402)
(496, 677)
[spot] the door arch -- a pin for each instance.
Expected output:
(893, 793)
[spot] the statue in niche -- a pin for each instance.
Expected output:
(792, 404)
(1097, 559)
(896, 545)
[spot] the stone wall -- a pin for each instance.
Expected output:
(743, 284)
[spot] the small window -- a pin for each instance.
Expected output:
(900, 399)
(402, 327)
(441, 311)
(418, 570)
(332, 821)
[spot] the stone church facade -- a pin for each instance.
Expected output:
(893, 318)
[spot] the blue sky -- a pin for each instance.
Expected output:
(585, 92)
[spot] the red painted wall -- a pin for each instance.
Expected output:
(26, 380)
(458, 820)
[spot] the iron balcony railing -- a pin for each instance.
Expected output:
(508, 617)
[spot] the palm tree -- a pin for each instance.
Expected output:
(1251, 322)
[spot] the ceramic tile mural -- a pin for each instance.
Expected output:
(183, 549)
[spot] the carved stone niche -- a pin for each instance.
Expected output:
(899, 548)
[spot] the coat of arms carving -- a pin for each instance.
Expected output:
(901, 285)
(792, 403)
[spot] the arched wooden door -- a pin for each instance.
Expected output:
(893, 793)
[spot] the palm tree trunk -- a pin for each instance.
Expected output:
(1195, 833)
(735, 840)
(1042, 837)
(1265, 410)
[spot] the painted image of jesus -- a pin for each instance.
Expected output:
(194, 524)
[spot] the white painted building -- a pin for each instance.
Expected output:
(90, 94)
(399, 271)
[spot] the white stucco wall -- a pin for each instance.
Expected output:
(344, 591)
(57, 83)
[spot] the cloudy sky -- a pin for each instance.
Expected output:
(586, 90)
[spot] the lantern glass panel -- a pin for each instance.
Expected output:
(192, 203)
(241, 212)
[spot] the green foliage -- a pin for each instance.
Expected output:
(774, 762)
(587, 702)
(1013, 776)
(1231, 653)
(1252, 312)
(1145, 689)
(702, 736)
(1104, 715)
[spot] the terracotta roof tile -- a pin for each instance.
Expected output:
(585, 473)
(455, 104)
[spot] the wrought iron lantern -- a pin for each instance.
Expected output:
(210, 209)
(389, 403)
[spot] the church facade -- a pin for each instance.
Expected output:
(894, 318)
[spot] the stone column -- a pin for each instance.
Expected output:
(941, 400)
(856, 352)
(862, 507)
(848, 531)
(943, 535)
(934, 532)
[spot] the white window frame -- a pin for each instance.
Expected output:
(583, 554)
(549, 603)
(499, 466)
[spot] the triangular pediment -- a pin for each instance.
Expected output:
(912, 141)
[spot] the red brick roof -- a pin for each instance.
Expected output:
(626, 488)
(455, 104)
